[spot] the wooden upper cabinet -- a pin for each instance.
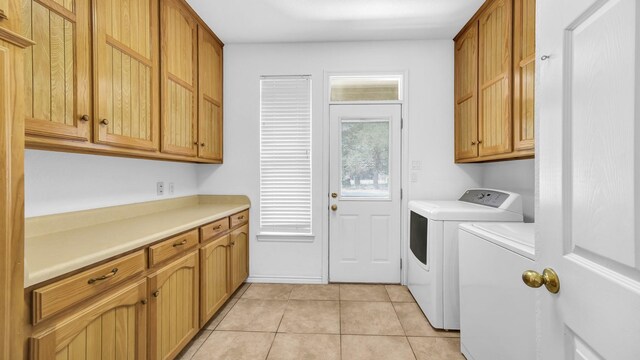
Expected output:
(494, 73)
(466, 94)
(178, 34)
(115, 327)
(126, 81)
(209, 96)
(173, 312)
(57, 68)
(524, 54)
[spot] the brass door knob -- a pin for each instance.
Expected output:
(334, 195)
(548, 278)
(84, 118)
(334, 207)
(156, 293)
(104, 122)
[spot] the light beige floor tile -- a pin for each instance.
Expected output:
(195, 344)
(305, 346)
(217, 318)
(415, 323)
(268, 291)
(240, 291)
(399, 293)
(358, 347)
(351, 292)
(311, 317)
(254, 315)
(316, 292)
(436, 348)
(369, 318)
(232, 345)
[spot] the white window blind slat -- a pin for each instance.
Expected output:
(285, 155)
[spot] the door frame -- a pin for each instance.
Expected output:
(404, 158)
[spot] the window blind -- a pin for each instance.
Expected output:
(285, 155)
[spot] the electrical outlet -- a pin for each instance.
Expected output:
(160, 188)
(171, 188)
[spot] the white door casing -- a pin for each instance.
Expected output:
(588, 158)
(364, 230)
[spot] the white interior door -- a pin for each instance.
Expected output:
(588, 145)
(364, 219)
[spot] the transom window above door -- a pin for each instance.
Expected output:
(372, 88)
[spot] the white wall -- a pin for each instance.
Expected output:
(429, 124)
(517, 176)
(61, 182)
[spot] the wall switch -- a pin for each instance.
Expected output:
(160, 188)
(171, 188)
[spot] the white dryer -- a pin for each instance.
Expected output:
(497, 310)
(433, 243)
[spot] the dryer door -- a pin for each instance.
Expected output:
(418, 237)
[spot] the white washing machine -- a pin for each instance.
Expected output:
(433, 241)
(497, 310)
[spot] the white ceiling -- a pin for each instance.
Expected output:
(258, 21)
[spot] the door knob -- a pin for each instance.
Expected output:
(548, 278)
(334, 195)
(104, 121)
(334, 207)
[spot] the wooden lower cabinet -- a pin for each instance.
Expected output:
(114, 327)
(215, 287)
(239, 245)
(173, 306)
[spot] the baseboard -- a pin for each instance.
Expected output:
(285, 279)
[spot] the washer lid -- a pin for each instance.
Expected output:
(517, 237)
(461, 211)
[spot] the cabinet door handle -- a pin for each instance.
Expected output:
(184, 241)
(479, 141)
(156, 293)
(473, 143)
(233, 243)
(103, 277)
(143, 301)
(201, 144)
(241, 217)
(217, 227)
(84, 118)
(104, 121)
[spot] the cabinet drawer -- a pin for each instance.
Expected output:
(210, 231)
(239, 218)
(52, 299)
(172, 247)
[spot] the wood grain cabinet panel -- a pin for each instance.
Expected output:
(172, 247)
(173, 312)
(524, 66)
(209, 96)
(210, 231)
(239, 242)
(126, 80)
(215, 287)
(466, 94)
(113, 328)
(494, 73)
(57, 68)
(178, 36)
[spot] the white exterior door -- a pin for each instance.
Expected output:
(364, 213)
(588, 158)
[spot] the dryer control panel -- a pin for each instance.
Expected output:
(485, 197)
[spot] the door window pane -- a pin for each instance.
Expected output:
(365, 159)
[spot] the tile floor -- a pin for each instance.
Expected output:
(323, 322)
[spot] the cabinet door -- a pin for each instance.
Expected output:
(209, 96)
(57, 68)
(115, 327)
(524, 67)
(239, 241)
(126, 63)
(466, 94)
(495, 46)
(173, 311)
(215, 288)
(178, 32)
